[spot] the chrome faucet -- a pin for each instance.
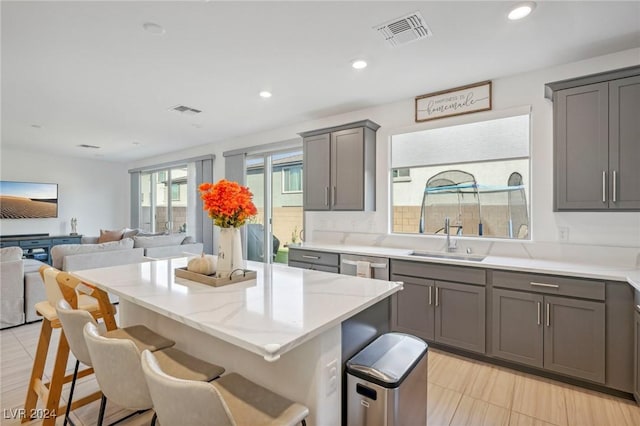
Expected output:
(452, 245)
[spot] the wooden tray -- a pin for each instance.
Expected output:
(216, 282)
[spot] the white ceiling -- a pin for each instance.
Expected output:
(87, 73)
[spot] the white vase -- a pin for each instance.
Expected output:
(229, 252)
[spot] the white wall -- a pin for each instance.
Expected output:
(95, 192)
(619, 229)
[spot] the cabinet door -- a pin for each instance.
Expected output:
(636, 359)
(581, 147)
(517, 326)
(347, 169)
(574, 342)
(413, 307)
(624, 143)
(460, 315)
(317, 150)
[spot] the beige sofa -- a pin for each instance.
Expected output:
(11, 287)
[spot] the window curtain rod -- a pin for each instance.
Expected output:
(268, 147)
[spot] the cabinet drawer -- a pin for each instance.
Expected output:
(550, 284)
(314, 267)
(315, 257)
(439, 272)
(9, 244)
(70, 240)
(35, 243)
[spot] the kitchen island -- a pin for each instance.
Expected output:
(281, 330)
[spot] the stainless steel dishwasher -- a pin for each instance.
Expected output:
(365, 266)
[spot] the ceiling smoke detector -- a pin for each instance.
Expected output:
(406, 29)
(84, 145)
(185, 110)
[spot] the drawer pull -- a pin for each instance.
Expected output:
(326, 195)
(539, 308)
(604, 186)
(430, 301)
(615, 188)
(306, 256)
(533, 283)
(437, 296)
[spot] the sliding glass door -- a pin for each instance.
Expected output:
(275, 179)
(164, 201)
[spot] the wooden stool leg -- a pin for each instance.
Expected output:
(57, 380)
(38, 370)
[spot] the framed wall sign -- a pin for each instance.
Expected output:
(460, 100)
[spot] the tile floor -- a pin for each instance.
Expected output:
(461, 392)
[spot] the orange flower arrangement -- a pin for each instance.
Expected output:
(228, 203)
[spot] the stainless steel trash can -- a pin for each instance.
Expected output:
(387, 382)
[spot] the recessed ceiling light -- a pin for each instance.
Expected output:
(153, 28)
(36, 126)
(521, 10)
(359, 64)
(265, 94)
(135, 143)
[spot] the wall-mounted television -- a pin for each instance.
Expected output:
(26, 200)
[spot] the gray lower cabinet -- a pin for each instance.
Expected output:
(596, 145)
(340, 167)
(314, 259)
(636, 359)
(460, 315)
(413, 308)
(574, 337)
(559, 334)
(517, 332)
(449, 313)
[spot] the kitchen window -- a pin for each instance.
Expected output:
(476, 174)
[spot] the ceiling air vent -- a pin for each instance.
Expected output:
(407, 29)
(84, 145)
(185, 110)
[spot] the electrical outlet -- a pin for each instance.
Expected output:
(332, 376)
(563, 233)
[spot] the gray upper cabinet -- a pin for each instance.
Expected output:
(317, 176)
(624, 143)
(597, 141)
(339, 167)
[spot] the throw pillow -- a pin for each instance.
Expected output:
(130, 233)
(107, 236)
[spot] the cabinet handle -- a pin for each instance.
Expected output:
(535, 284)
(548, 316)
(437, 296)
(335, 196)
(305, 256)
(615, 186)
(430, 301)
(604, 186)
(326, 195)
(539, 308)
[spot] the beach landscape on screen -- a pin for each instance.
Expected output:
(25, 200)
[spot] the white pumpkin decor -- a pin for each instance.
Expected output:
(204, 264)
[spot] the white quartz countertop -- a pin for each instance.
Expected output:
(269, 316)
(540, 266)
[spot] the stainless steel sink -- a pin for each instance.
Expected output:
(454, 256)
